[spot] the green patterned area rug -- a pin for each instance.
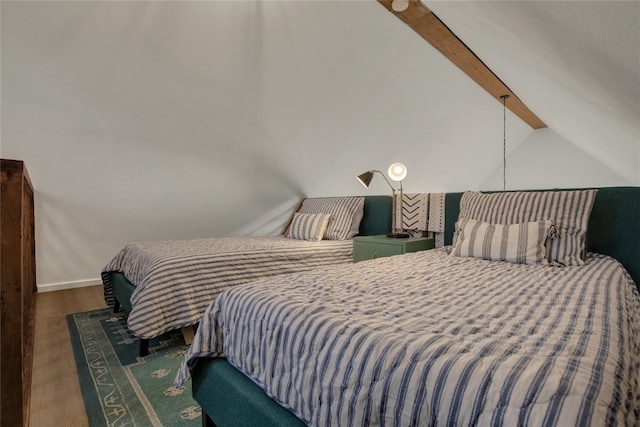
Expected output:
(120, 388)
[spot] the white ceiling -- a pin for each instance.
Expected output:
(575, 64)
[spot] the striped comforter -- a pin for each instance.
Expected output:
(176, 280)
(429, 339)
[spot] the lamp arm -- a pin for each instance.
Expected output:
(385, 178)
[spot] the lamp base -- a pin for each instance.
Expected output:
(399, 235)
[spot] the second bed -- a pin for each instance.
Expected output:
(167, 285)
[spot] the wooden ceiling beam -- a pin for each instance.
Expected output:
(434, 31)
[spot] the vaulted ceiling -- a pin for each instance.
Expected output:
(575, 64)
(572, 65)
(424, 22)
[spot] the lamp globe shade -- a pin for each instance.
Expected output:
(397, 171)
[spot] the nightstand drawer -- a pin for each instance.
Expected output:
(371, 247)
(363, 251)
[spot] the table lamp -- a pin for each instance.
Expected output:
(397, 172)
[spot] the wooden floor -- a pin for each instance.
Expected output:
(56, 399)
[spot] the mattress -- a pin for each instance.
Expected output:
(176, 280)
(430, 339)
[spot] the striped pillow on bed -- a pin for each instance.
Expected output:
(569, 210)
(522, 243)
(346, 214)
(308, 226)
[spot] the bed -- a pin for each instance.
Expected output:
(398, 340)
(167, 285)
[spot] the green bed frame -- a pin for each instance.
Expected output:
(229, 398)
(376, 219)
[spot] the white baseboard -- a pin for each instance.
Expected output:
(69, 285)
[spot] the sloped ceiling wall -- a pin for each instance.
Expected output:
(165, 120)
(577, 65)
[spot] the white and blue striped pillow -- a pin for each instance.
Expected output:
(522, 243)
(308, 226)
(346, 214)
(569, 210)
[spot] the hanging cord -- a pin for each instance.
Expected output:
(504, 141)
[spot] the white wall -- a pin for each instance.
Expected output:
(547, 160)
(165, 120)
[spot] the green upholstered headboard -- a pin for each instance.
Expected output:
(377, 216)
(614, 225)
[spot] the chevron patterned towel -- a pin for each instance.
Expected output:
(421, 213)
(415, 212)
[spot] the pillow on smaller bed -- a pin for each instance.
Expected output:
(522, 243)
(308, 226)
(346, 214)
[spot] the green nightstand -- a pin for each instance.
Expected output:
(371, 247)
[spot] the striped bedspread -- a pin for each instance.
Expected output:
(176, 280)
(427, 339)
